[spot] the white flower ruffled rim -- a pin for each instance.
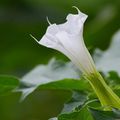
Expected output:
(68, 39)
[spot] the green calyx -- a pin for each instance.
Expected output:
(105, 94)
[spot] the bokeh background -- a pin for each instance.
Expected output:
(19, 53)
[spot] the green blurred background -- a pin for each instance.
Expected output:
(19, 53)
(19, 18)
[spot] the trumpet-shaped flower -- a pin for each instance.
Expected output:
(68, 39)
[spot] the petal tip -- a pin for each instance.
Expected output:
(34, 38)
(79, 12)
(48, 21)
(45, 41)
(76, 9)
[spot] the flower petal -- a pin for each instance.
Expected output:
(68, 39)
(74, 24)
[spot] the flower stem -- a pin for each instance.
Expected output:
(105, 94)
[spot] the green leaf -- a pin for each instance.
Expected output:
(76, 102)
(113, 78)
(113, 75)
(66, 84)
(56, 75)
(105, 115)
(8, 83)
(77, 107)
(55, 70)
(82, 114)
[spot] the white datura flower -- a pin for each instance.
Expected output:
(68, 39)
